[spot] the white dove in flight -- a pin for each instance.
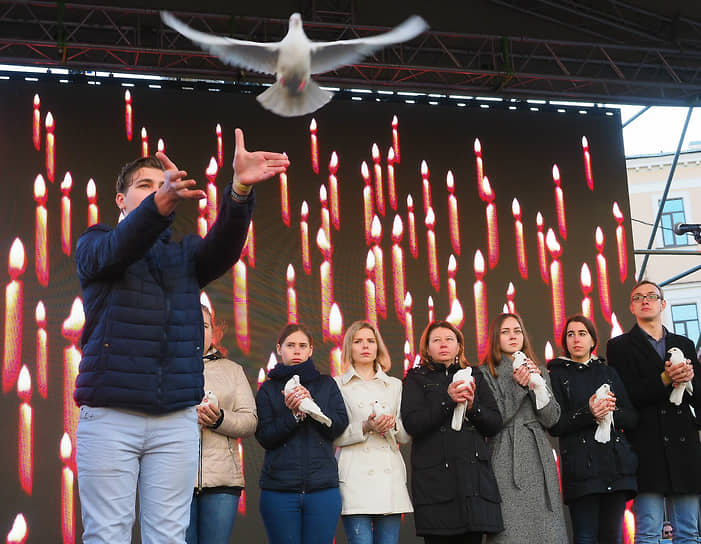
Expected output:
(308, 406)
(459, 410)
(536, 381)
(294, 59)
(676, 356)
(603, 429)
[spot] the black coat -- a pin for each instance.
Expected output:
(453, 486)
(666, 438)
(588, 466)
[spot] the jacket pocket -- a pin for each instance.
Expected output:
(433, 485)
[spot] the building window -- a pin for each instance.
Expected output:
(673, 213)
(685, 318)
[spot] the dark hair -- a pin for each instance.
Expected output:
(292, 328)
(423, 343)
(648, 282)
(124, 179)
(494, 354)
(578, 318)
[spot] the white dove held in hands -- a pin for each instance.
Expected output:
(211, 399)
(380, 409)
(536, 381)
(603, 429)
(294, 59)
(459, 411)
(676, 356)
(308, 406)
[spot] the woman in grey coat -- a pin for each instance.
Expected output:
(522, 456)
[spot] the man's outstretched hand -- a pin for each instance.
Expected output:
(251, 167)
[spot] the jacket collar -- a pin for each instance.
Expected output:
(351, 373)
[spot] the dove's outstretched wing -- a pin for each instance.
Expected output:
(260, 57)
(329, 55)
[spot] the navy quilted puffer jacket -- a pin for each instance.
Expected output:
(143, 334)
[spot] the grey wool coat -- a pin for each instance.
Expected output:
(524, 464)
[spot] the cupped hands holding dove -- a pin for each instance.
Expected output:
(460, 391)
(599, 407)
(295, 397)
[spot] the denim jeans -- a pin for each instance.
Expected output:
(370, 529)
(118, 451)
(598, 518)
(300, 518)
(683, 514)
(212, 517)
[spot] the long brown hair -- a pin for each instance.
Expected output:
(494, 353)
(382, 359)
(423, 344)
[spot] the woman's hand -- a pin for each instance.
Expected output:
(522, 375)
(295, 397)
(600, 407)
(206, 414)
(461, 392)
(378, 424)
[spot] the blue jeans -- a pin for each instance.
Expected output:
(300, 518)
(118, 451)
(683, 514)
(212, 517)
(598, 518)
(370, 529)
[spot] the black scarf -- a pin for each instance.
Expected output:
(306, 371)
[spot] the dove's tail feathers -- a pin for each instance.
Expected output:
(281, 102)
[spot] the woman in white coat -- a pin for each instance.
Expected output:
(372, 474)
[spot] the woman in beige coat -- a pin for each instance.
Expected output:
(227, 412)
(372, 474)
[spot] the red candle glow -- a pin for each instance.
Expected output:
(314, 146)
(602, 273)
(556, 283)
(242, 501)
(587, 164)
(333, 191)
(407, 357)
(325, 216)
(453, 216)
(452, 288)
(411, 222)
(144, 142)
(379, 188)
(585, 283)
(41, 248)
(336, 336)
(304, 233)
(368, 205)
(395, 139)
(128, 115)
(25, 438)
(50, 147)
(261, 377)
(66, 186)
(398, 272)
(431, 309)
(620, 242)
(456, 315)
(481, 314)
(71, 329)
(220, 146)
(326, 281)
(67, 484)
(41, 350)
(249, 247)
(520, 244)
(202, 217)
(291, 295)
(542, 257)
(284, 199)
(380, 291)
(13, 316)
(211, 173)
(480, 167)
(370, 292)
(18, 532)
(426, 186)
(36, 123)
(431, 249)
(549, 352)
(616, 329)
(243, 338)
(409, 321)
(492, 228)
(93, 211)
(161, 145)
(510, 295)
(391, 186)
(628, 524)
(559, 203)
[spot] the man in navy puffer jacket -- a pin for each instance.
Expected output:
(141, 372)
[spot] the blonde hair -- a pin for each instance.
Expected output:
(382, 359)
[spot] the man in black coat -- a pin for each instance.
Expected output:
(666, 438)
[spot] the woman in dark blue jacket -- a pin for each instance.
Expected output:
(299, 502)
(598, 475)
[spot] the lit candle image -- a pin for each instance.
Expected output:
(249, 248)
(556, 283)
(14, 294)
(452, 288)
(411, 227)
(620, 242)
(18, 532)
(510, 295)
(25, 438)
(161, 145)
(93, 211)
(326, 281)
(202, 217)
(398, 271)
(314, 146)
(391, 186)
(407, 357)
(395, 139)
(549, 352)
(41, 350)
(542, 257)
(409, 322)
(559, 203)
(304, 233)
(67, 485)
(242, 501)
(368, 204)
(291, 295)
(211, 174)
(520, 243)
(586, 284)
(628, 524)
(144, 142)
(284, 199)
(36, 123)
(336, 336)
(380, 291)
(456, 315)
(325, 216)
(261, 377)
(481, 313)
(379, 188)
(370, 294)
(66, 186)
(243, 338)
(128, 115)
(602, 273)
(220, 146)
(431, 249)
(431, 309)
(41, 248)
(333, 191)
(480, 166)
(71, 329)
(426, 186)
(453, 215)
(587, 164)
(50, 147)
(487, 195)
